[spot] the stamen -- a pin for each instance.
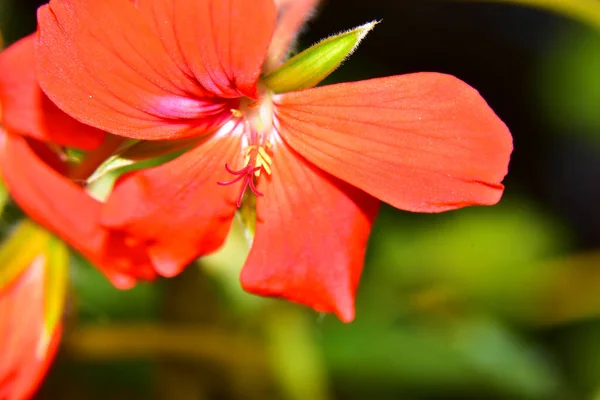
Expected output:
(256, 159)
(263, 153)
(263, 161)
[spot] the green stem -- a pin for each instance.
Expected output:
(95, 158)
(3, 196)
(127, 341)
(295, 355)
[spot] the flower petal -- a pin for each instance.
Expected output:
(65, 209)
(291, 15)
(26, 110)
(104, 64)
(26, 349)
(311, 236)
(178, 207)
(222, 43)
(423, 142)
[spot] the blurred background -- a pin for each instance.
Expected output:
(500, 302)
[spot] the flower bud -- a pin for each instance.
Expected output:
(307, 69)
(33, 285)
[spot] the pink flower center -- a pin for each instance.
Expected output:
(257, 117)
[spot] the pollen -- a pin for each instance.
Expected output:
(259, 157)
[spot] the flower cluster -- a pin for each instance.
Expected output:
(205, 77)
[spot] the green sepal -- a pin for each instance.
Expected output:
(135, 151)
(102, 184)
(307, 69)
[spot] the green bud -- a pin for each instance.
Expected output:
(307, 69)
(26, 247)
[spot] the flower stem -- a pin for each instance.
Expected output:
(95, 158)
(127, 341)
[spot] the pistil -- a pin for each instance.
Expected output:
(246, 175)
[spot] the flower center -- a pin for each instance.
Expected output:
(257, 119)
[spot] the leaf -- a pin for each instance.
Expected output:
(4, 196)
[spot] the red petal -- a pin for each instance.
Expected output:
(103, 63)
(64, 208)
(178, 207)
(26, 350)
(26, 110)
(422, 142)
(311, 236)
(292, 14)
(222, 43)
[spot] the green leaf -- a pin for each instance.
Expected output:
(97, 299)
(225, 264)
(568, 86)
(3, 196)
(484, 256)
(314, 64)
(437, 355)
(291, 336)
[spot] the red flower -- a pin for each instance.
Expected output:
(26, 347)
(319, 159)
(35, 174)
(27, 111)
